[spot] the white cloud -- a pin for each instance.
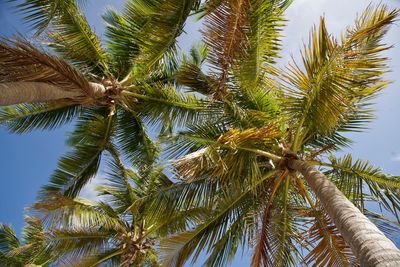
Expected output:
(89, 191)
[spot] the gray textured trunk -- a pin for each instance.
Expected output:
(12, 93)
(368, 243)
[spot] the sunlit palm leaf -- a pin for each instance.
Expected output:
(333, 85)
(71, 37)
(263, 44)
(160, 102)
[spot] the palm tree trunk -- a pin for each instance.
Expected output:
(368, 243)
(12, 93)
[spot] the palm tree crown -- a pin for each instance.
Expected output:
(110, 89)
(254, 165)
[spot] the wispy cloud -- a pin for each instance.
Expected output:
(395, 157)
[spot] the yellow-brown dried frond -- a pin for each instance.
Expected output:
(20, 61)
(331, 249)
(249, 137)
(225, 34)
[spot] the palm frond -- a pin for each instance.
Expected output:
(229, 156)
(274, 241)
(78, 212)
(40, 13)
(118, 190)
(334, 84)
(34, 250)
(234, 205)
(8, 242)
(253, 67)
(145, 31)
(176, 198)
(191, 76)
(110, 257)
(20, 61)
(133, 140)
(225, 36)
(352, 176)
(72, 38)
(330, 247)
(24, 118)
(8, 239)
(89, 140)
(158, 102)
(78, 244)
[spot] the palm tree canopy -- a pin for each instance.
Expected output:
(245, 123)
(117, 230)
(114, 89)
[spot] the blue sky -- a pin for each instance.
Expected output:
(26, 161)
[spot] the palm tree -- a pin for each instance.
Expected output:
(117, 230)
(30, 251)
(255, 167)
(113, 90)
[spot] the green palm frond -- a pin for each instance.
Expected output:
(243, 40)
(145, 31)
(176, 198)
(76, 244)
(87, 233)
(89, 140)
(133, 140)
(234, 205)
(256, 107)
(8, 239)
(31, 250)
(274, 242)
(352, 178)
(263, 45)
(334, 84)
(34, 250)
(191, 76)
(119, 189)
(231, 156)
(40, 13)
(72, 38)
(179, 247)
(77, 212)
(165, 23)
(158, 102)
(110, 257)
(28, 117)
